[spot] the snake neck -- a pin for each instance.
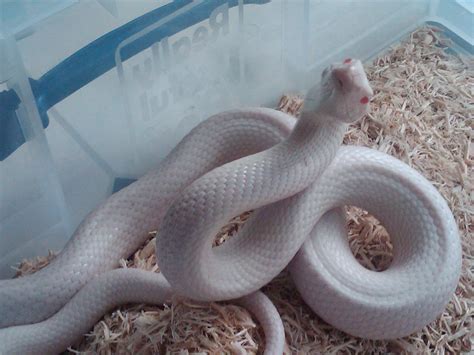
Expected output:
(314, 142)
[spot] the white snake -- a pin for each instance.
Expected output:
(296, 175)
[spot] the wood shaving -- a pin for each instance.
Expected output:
(422, 114)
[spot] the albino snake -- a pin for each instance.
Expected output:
(296, 176)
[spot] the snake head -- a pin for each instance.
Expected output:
(348, 92)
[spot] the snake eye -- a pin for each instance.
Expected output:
(364, 100)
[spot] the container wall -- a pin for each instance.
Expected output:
(201, 58)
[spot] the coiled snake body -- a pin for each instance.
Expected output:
(296, 176)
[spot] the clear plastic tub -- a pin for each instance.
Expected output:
(93, 94)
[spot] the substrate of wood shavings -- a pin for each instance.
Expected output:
(422, 114)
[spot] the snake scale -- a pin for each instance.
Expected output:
(296, 176)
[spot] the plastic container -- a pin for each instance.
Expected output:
(93, 94)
